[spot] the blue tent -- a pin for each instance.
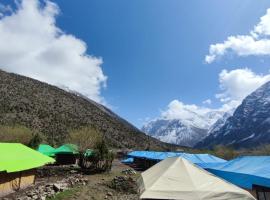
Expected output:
(243, 171)
(152, 155)
(158, 156)
(127, 161)
(202, 158)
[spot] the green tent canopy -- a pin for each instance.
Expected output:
(15, 157)
(67, 149)
(46, 150)
(89, 152)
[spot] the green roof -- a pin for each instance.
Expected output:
(67, 149)
(15, 157)
(46, 150)
(88, 152)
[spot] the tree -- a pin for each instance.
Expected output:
(36, 140)
(100, 160)
(85, 138)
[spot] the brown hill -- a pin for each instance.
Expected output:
(54, 112)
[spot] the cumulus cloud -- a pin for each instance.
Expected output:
(235, 85)
(257, 42)
(189, 113)
(178, 110)
(32, 45)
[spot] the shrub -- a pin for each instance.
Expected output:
(100, 160)
(16, 133)
(225, 152)
(85, 138)
(36, 140)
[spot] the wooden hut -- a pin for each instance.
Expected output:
(17, 166)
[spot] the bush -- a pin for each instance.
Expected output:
(225, 152)
(85, 138)
(100, 160)
(20, 134)
(36, 140)
(16, 133)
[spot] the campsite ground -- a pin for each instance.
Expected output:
(99, 187)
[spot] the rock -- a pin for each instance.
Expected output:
(110, 194)
(56, 187)
(129, 172)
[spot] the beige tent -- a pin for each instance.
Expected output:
(177, 178)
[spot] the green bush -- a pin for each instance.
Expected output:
(100, 160)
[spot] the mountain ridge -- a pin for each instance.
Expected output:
(249, 126)
(54, 112)
(184, 132)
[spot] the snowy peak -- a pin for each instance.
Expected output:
(249, 126)
(174, 131)
(188, 130)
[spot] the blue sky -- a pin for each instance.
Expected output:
(153, 51)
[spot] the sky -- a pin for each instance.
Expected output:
(144, 59)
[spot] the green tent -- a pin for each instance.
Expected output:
(67, 149)
(89, 152)
(15, 157)
(46, 150)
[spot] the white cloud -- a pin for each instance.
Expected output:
(190, 114)
(207, 102)
(257, 42)
(178, 110)
(237, 84)
(32, 45)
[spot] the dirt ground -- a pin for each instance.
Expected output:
(98, 189)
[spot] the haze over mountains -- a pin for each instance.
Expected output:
(247, 126)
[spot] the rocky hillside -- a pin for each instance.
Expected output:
(54, 112)
(248, 127)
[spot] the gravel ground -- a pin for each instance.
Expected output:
(99, 186)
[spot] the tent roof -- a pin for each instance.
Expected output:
(243, 171)
(46, 150)
(67, 149)
(194, 158)
(89, 152)
(16, 157)
(127, 161)
(177, 178)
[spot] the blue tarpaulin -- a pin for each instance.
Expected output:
(127, 161)
(243, 171)
(194, 158)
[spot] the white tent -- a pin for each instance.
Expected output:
(177, 178)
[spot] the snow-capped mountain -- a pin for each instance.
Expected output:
(249, 126)
(219, 123)
(186, 131)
